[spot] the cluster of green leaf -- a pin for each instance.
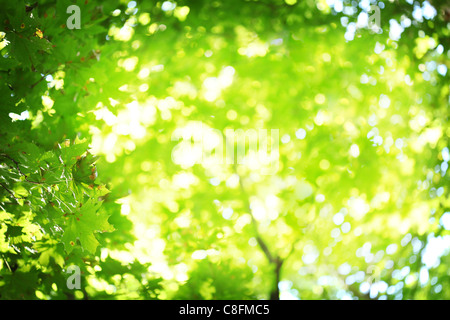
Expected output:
(54, 210)
(359, 195)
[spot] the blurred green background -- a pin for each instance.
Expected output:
(356, 207)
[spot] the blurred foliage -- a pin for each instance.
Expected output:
(95, 172)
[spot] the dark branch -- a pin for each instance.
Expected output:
(18, 169)
(274, 260)
(9, 191)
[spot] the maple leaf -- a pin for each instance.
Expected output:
(82, 225)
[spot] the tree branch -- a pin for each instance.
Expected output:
(10, 192)
(273, 259)
(18, 168)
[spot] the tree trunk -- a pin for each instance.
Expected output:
(275, 292)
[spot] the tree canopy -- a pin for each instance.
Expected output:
(113, 136)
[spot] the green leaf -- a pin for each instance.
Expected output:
(70, 152)
(84, 170)
(82, 224)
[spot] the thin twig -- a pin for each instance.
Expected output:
(10, 192)
(7, 264)
(275, 260)
(42, 78)
(259, 239)
(18, 168)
